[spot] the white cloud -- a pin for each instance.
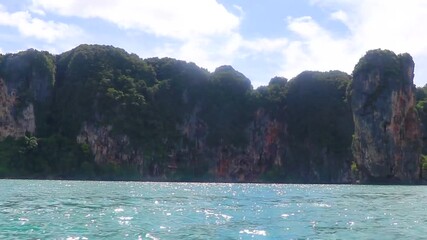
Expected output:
(30, 26)
(394, 25)
(207, 52)
(182, 19)
(201, 31)
(205, 32)
(341, 16)
(390, 24)
(314, 48)
(265, 45)
(221, 50)
(304, 26)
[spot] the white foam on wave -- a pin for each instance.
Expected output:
(217, 215)
(226, 217)
(118, 210)
(76, 238)
(23, 219)
(323, 205)
(125, 220)
(254, 232)
(150, 237)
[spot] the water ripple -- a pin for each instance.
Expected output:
(131, 210)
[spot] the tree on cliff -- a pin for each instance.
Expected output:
(319, 125)
(226, 106)
(182, 120)
(387, 138)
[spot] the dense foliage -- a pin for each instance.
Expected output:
(151, 100)
(226, 107)
(384, 60)
(421, 98)
(319, 120)
(32, 74)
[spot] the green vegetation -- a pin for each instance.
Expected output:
(32, 74)
(176, 115)
(354, 167)
(99, 83)
(53, 157)
(319, 123)
(323, 116)
(272, 97)
(227, 91)
(421, 108)
(424, 162)
(384, 60)
(150, 101)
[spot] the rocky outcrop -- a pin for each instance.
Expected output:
(14, 122)
(387, 141)
(231, 163)
(30, 74)
(271, 154)
(264, 151)
(162, 119)
(110, 149)
(26, 85)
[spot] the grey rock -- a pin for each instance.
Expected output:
(387, 141)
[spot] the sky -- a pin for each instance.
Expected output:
(260, 38)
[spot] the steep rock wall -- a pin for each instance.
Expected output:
(225, 162)
(192, 155)
(26, 85)
(270, 154)
(14, 122)
(387, 141)
(264, 151)
(108, 148)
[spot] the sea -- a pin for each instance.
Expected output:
(79, 210)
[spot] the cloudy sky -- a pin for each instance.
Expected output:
(260, 38)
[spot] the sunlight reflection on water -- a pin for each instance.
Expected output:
(130, 210)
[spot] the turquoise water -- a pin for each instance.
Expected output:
(130, 210)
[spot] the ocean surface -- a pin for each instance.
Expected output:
(73, 210)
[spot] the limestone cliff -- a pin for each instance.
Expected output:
(14, 122)
(26, 83)
(110, 149)
(271, 154)
(387, 141)
(288, 140)
(227, 162)
(264, 151)
(98, 111)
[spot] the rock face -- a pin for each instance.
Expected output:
(107, 111)
(222, 163)
(108, 149)
(264, 151)
(26, 84)
(14, 123)
(387, 141)
(271, 154)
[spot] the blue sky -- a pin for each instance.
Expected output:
(260, 38)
